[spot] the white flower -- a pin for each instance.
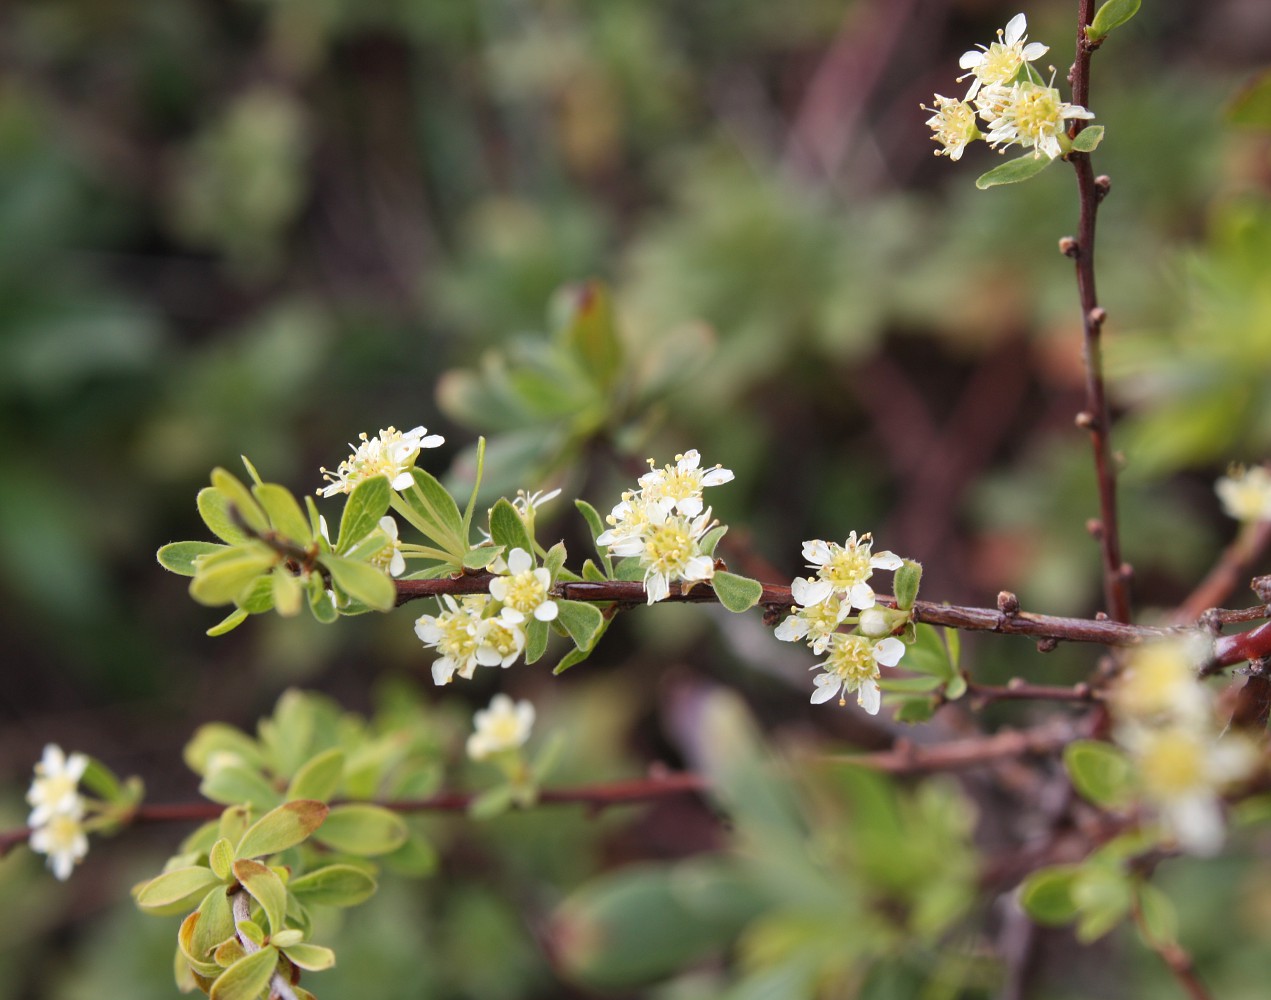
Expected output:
(525, 591)
(1246, 493)
(54, 790)
(527, 503)
(1183, 773)
(392, 454)
(453, 633)
(390, 558)
(849, 565)
(1161, 684)
(818, 619)
(500, 639)
(852, 665)
(669, 550)
(679, 487)
(629, 519)
(63, 839)
(1001, 61)
(953, 122)
(503, 726)
(1027, 114)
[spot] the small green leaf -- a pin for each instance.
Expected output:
(922, 683)
(266, 888)
(214, 507)
(102, 781)
(736, 593)
(361, 581)
(1111, 15)
(914, 710)
(179, 557)
(481, 556)
(582, 621)
(290, 824)
(1013, 171)
(311, 957)
(437, 512)
(363, 829)
(230, 622)
(507, 528)
(576, 656)
(288, 594)
(285, 512)
(218, 738)
(906, 583)
(592, 573)
(362, 511)
(223, 577)
(956, 687)
(232, 782)
(319, 777)
(1104, 897)
(320, 603)
(1088, 139)
(1046, 895)
(555, 559)
(1159, 917)
(597, 527)
(928, 654)
(176, 886)
(630, 569)
(476, 488)
(1101, 772)
(247, 978)
(536, 633)
(286, 938)
(711, 539)
(333, 885)
(204, 930)
(241, 499)
(221, 858)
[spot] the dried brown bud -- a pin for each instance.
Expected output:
(1102, 185)
(1007, 603)
(1262, 587)
(1047, 645)
(1098, 316)
(1069, 247)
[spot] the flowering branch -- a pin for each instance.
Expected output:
(1095, 417)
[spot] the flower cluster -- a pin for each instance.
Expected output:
(391, 453)
(825, 603)
(663, 524)
(1246, 493)
(488, 630)
(1008, 97)
(1165, 720)
(57, 810)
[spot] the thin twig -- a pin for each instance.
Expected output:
(906, 758)
(1176, 959)
(1096, 417)
(1232, 568)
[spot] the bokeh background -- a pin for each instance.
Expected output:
(261, 227)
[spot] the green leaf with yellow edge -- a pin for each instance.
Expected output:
(223, 577)
(214, 507)
(1013, 171)
(1110, 16)
(287, 591)
(180, 557)
(227, 624)
(1102, 773)
(266, 888)
(319, 777)
(288, 825)
(362, 829)
(221, 858)
(176, 886)
(311, 957)
(228, 952)
(507, 528)
(1088, 139)
(333, 885)
(1046, 895)
(241, 500)
(247, 978)
(233, 783)
(204, 930)
(285, 513)
(366, 504)
(361, 581)
(736, 593)
(1251, 105)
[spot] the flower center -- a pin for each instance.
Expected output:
(669, 546)
(525, 592)
(852, 658)
(999, 65)
(1173, 767)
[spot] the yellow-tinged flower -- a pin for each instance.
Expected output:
(524, 591)
(55, 787)
(852, 665)
(1001, 61)
(62, 838)
(505, 725)
(1246, 493)
(453, 633)
(1027, 114)
(847, 567)
(953, 123)
(1160, 683)
(391, 453)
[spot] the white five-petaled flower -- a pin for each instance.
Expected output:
(390, 558)
(391, 453)
(953, 122)
(1001, 61)
(1183, 772)
(1161, 685)
(1027, 114)
(669, 549)
(525, 590)
(63, 839)
(847, 567)
(500, 639)
(821, 612)
(679, 487)
(1246, 493)
(852, 665)
(453, 633)
(505, 725)
(55, 787)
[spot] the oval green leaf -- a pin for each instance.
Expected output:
(1102, 773)
(179, 557)
(1013, 171)
(582, 621)
(1046, 895)
(362, 829)
(311, 957)
(285, 512)
(362, 582)
(175, 886)
(266, 888)
(247, 978)
(1088, 139)
(233, 783)
(319, 777)
(214, 508)
(1111, 15)
(507, 528)
(362, 511)
(736, 593)
(334, 885)
(290, 824)
(222, 577)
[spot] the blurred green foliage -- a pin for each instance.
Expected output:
(263, 226)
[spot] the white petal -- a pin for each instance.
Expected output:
(792, 629)
(699, 568)
(810, 592)
(827, 686)
(547, 611)
(862, 596)
(657, 587)
(442, 671)
(519, 561)
(499, 588)
(886, 560)
(403, 481)
(869, 697)
(432, 440)
(971, 59)
(1015, 29)
(889, 651)
(689, 506)
(689, 460)
(1034, 50)
(816, 551)
(717, 477)
(1197, 823)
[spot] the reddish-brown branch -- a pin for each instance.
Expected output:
(1176, 959)
(1019, 690)
(1231, 569)
(777, 597)
(1096, 417)
(906, 758)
